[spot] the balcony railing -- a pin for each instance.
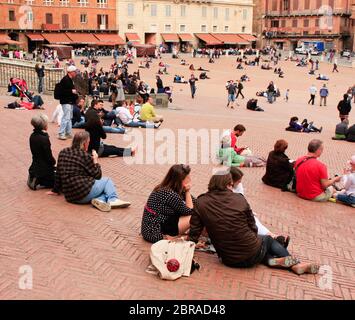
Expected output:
(318, 12)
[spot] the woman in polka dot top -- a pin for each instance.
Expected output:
(168, 209)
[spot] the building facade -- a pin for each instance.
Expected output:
(326, 24)
(27, 20)
(258, 13)
(173, 21)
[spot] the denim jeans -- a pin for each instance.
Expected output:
(109, 129)
(136, 124)
(80, 124)
(65, 124)
(348, 199)
(103, 190)
(269, 249)
(40, 84)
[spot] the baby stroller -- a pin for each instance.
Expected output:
(18, 88)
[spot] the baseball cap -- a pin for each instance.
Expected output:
(71, 68)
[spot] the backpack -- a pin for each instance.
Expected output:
(171, 259)
(58, 91)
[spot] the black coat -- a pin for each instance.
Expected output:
(66, 94)
(279, 170)
(43, 161)
(344, 107)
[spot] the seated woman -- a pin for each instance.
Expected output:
(229, 157)
(237, 176)
(230, 224)
(94, 127)
(295, 126)
(252, 104)
(279, 168)
(41, 171)
(240, 67)
(169, 207)
(79, 177)
(322, 77)
(192, 67)
(211, 60)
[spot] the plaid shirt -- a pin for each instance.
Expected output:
(76, 174)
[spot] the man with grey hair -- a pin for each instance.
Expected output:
(312, 181)
(41, 171)
(68, 96)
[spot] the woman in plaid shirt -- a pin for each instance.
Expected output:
(79, 177)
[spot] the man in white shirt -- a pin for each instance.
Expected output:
(312, 90)
(127, 119)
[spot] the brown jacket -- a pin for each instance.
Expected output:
(230, 224)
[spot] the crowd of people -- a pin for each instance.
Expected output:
(222, 214)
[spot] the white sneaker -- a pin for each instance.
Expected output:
(102, 206)
(62, 137)
(119, 204)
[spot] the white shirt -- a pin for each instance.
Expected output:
(349, 183)
(124, 114)
(313, 90)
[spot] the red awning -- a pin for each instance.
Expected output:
(35, 36)
(78, 37)
(247, 37)
(170, 37)
(5, 39)
(107, 39)
(58, 38)
(228, 38)
(209, 39)
(132, 37)
(186, 37)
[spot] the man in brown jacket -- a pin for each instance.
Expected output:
(230, 224)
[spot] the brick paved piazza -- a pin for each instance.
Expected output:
(78, 252)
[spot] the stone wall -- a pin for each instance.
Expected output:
(13, 68)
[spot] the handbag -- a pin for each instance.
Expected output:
(172, 259)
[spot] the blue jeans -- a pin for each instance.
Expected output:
(142, 124)
(109, 129)
(40, 84)
(65, 125)
(348, 199)
(80, 124)
(103, 190)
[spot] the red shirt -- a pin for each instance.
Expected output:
(308, 176)
(234, 144)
